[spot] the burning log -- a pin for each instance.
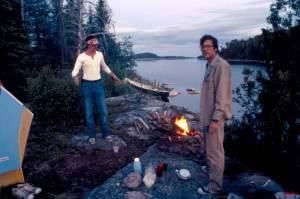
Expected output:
(183, 131)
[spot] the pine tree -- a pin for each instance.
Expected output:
(41, 25)
(284, 14)
(15, 49)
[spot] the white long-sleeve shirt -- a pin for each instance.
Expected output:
(91, 67)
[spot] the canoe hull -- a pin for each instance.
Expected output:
(147, 89)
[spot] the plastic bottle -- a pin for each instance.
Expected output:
(150, 176)
(137, 166)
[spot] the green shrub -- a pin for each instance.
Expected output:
(109, 85)
(54, 97)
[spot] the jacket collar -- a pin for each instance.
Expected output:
(211, 65)
(214, 61)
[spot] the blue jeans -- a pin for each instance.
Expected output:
(94, 91)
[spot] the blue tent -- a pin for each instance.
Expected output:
(15, 122)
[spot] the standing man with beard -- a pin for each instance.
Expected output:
(92, 61)
(215, 108)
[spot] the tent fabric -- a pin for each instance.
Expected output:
(15, 122)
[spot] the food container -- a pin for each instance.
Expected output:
(159, 170)
(183, 174)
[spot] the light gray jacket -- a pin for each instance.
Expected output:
(216, 92)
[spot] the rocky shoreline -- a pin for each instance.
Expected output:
(169, 185)
(60, 161)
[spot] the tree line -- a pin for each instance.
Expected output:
(38, 33)
(250, 49)
(268, 133)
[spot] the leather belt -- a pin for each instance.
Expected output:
(92, 81)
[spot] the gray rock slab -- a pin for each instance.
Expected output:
(140, 105)
(131, 131)
(167, 186)
(132, 100)
(81, 140)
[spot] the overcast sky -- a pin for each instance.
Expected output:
(174, 27)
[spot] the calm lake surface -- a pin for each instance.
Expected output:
(187, 73)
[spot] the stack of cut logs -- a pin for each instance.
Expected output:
(159, 120)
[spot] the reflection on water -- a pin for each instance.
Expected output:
(187, 73)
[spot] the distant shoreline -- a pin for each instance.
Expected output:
(242, 61)
(249, 62)
(230, 61)
(163, 58)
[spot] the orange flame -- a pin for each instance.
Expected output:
(183, 124)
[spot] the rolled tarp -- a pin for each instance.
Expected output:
(15, 122)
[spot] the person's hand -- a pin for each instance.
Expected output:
(76, 80)
(117, 80)
(213, 127)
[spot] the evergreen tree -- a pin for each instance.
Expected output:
(42, 27)
(284, 14)
(15, 49)
(103, 15)
(250, 49)
(270, 131)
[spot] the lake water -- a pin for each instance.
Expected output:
(187, 73)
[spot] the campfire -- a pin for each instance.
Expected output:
(176, 136)
(182, 127)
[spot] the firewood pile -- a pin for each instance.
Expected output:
(159, 120)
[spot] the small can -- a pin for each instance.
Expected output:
(159, 170)
(206, 129)
(165, 167)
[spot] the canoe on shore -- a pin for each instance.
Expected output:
(162, 92)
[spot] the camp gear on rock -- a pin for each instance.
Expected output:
(20, 193)
(287, 195)
(159, 170)
(206, 191)
(116, 149)
(183, 174)
(261, 182)
(150, 176)
(132, 181)
(165, 166)
(137, 166)
(30, 188)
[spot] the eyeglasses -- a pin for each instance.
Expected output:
(93, 43)
(206, 46)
